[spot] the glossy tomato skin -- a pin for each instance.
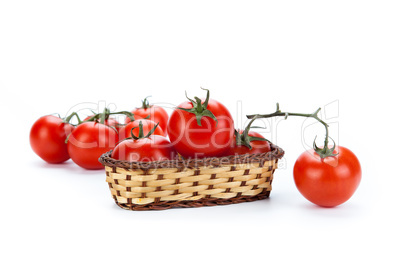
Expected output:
(153, 148)
(211, 139)
(258, 147)
(330, 181)
(47, 138)
(147, 126)
(89, 141)
(155, 113)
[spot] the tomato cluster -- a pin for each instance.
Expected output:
(196, 128)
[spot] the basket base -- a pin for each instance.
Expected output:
(203, 202)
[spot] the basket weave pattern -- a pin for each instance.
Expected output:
(191, 183)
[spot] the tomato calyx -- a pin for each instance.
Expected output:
(141, 132)
(145, 103)
(200, 109)
(323, 152)
(243, 139)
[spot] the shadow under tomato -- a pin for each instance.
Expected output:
(314, 207)
(69, 166)
(64, 165)
(347, 210)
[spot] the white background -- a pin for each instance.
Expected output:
(303, 54)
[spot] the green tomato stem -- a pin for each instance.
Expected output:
(145, 103)
(323, 152)
(141, 132)
(68, 118)
(105, 115)
(200, 109)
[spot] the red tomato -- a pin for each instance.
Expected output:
(330, 181)
(257, 146)
(147, 125)
(154, 113)
(206, 138)
(47, 137)
(152, 148)
(89, 141)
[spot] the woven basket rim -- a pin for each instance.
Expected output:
(179, 163)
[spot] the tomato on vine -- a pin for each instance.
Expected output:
(248, 142)
(91, 139)
(47, 138)
(109, 121)
(326, 176)
(145, 148)
(201, 128)
(152, 112)
(328, 181)
(133, 127)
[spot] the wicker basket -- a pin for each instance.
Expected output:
(191, 183)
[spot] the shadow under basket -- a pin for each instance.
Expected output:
(191, 183)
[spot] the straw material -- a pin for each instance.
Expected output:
(191, 183)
